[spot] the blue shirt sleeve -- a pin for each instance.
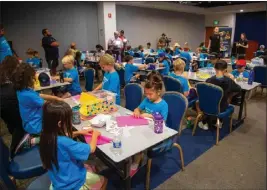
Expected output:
(246, 74)
(235, 73)
(134, 68)
(77, 150)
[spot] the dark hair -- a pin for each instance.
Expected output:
(109, 52)
(163, 34)
(53, 113)
(35, 52)
(24, 76)
(44, 31)
(122, 31)
(221, 65)
(7, 68)
(154, 81)
(78, 55)
(168, 50)
(129, 47)
(201, 44)
(148, 43)
(140, 47)
(128, 58)
(98, 46)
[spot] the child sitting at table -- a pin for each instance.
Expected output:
(130, 69)
(62, 156)
(240, 69)
(151, 104)
(186, 47)
(178, 67)
(33, 61)
(214, 57)
(70, 75)
(30, 103)
(176, 49)
(111, 81)
(226, 82)
(188, 58)
(141, 53)
(130, 51)
(36, 56)
(163, 62)
(148, 47)
(168, 55)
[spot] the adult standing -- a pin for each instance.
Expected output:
(5, 49)
(115, 45)
(242, 45)
(9, 105)
(124, 41)
(50, 46)
(215, 41)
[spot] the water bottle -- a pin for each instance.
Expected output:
(61, 77)
(76, 118)
(240, 77)
(116, 142)
(251, 77)
(158, 122)
(119, 58)
(190, 67)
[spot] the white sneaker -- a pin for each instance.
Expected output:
(203, 126)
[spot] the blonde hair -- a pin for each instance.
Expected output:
(107, 60)
(178, 65)
(68, 59)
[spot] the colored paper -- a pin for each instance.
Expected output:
(100, 140)
(123, 121)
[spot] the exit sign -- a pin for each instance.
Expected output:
(215, 22)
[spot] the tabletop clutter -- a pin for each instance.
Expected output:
(100, 110)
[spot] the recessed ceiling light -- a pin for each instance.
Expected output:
(241, 10)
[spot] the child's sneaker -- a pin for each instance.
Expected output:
(203, 126)
(24, 143)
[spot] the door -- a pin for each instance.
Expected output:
(252, 47)
(209, 32)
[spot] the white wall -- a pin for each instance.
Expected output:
(227, 19)
(101, 24)
(142, 25)
(68, 21)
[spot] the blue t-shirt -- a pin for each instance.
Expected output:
(177, 51)
(169, 56)
(74, 88)
(111, 82)
(131, 52)
(210, 65)
(142, 55)
(160, 51)
(34, 61)
(31, 110)
(129, 71)
(5, 49)
(150, 107)
(166, 70)
(182, 80)
(71, 173)
(188, 59)
(236, 73)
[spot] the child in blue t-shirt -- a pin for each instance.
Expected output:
(130, 51)
(163, 62)
(130, 69)
(148, 47)
(178, 67)
(176, 49)
(240, 68)
(168, 55)
(33, 61)
(188, 57)
(141, 52)
(151, 104)
(62, 156)
(111, 80)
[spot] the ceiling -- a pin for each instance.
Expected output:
(208, 4)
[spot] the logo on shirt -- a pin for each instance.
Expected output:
(147, 110)
(104, 80)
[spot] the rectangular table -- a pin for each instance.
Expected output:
(244, 86)
(54, 85)
(134, 140)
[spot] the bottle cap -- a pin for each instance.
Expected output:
(157, 116)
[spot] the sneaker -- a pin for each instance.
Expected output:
(203, 126)
(24, 143)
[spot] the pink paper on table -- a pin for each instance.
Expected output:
(77, 97)
(101, 139)
(122, 121)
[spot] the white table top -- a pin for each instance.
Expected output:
(57, 84)
(134, 139)
(175, 56)
(244, 85)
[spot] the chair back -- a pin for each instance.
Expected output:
(136, 54)
(172, 84)
(209, 96)
(260, 75)
(121, 72)
(89, 76)
(5, 181)
(133, 95)
(150, 60)
(177, 106)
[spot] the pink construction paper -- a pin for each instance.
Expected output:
(101, 139)
(122, 121)
(77, 97)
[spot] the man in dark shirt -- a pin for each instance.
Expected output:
(242, 45)
(226, 82)
(50, 46)
(215, 41)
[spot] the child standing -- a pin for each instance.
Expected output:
(226, 82)
(163, 62)
(130, 69)
(240, 69)
(111, 81)
(70, 75)
(61, 155)
(178, 67)
(176, 49)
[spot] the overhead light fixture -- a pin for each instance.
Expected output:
(241, 10)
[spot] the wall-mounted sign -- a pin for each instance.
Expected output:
(215, 22)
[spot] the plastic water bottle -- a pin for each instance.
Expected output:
(190, 67)
(251, 77)
(76, 118)
(61, 77)
(119, 58)
(87, 55)
(240, 77)
(116, 142)
(158, 122)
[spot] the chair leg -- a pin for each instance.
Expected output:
(181, 154)
(196, 122)
(148, 170)
(218, 131)
(231, 123)
(245, 108)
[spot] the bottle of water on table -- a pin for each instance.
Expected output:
(116, 142)
(240, 77)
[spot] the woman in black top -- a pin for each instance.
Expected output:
(242, 45)
(9, 111)
(215, 41)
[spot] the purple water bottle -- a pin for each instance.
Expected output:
(158, 122)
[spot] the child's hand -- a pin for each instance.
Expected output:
(86, 131)
(96, 132)
(137, 113)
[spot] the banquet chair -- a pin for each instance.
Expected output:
(89, 75)
(133, 95)
(172, 84)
